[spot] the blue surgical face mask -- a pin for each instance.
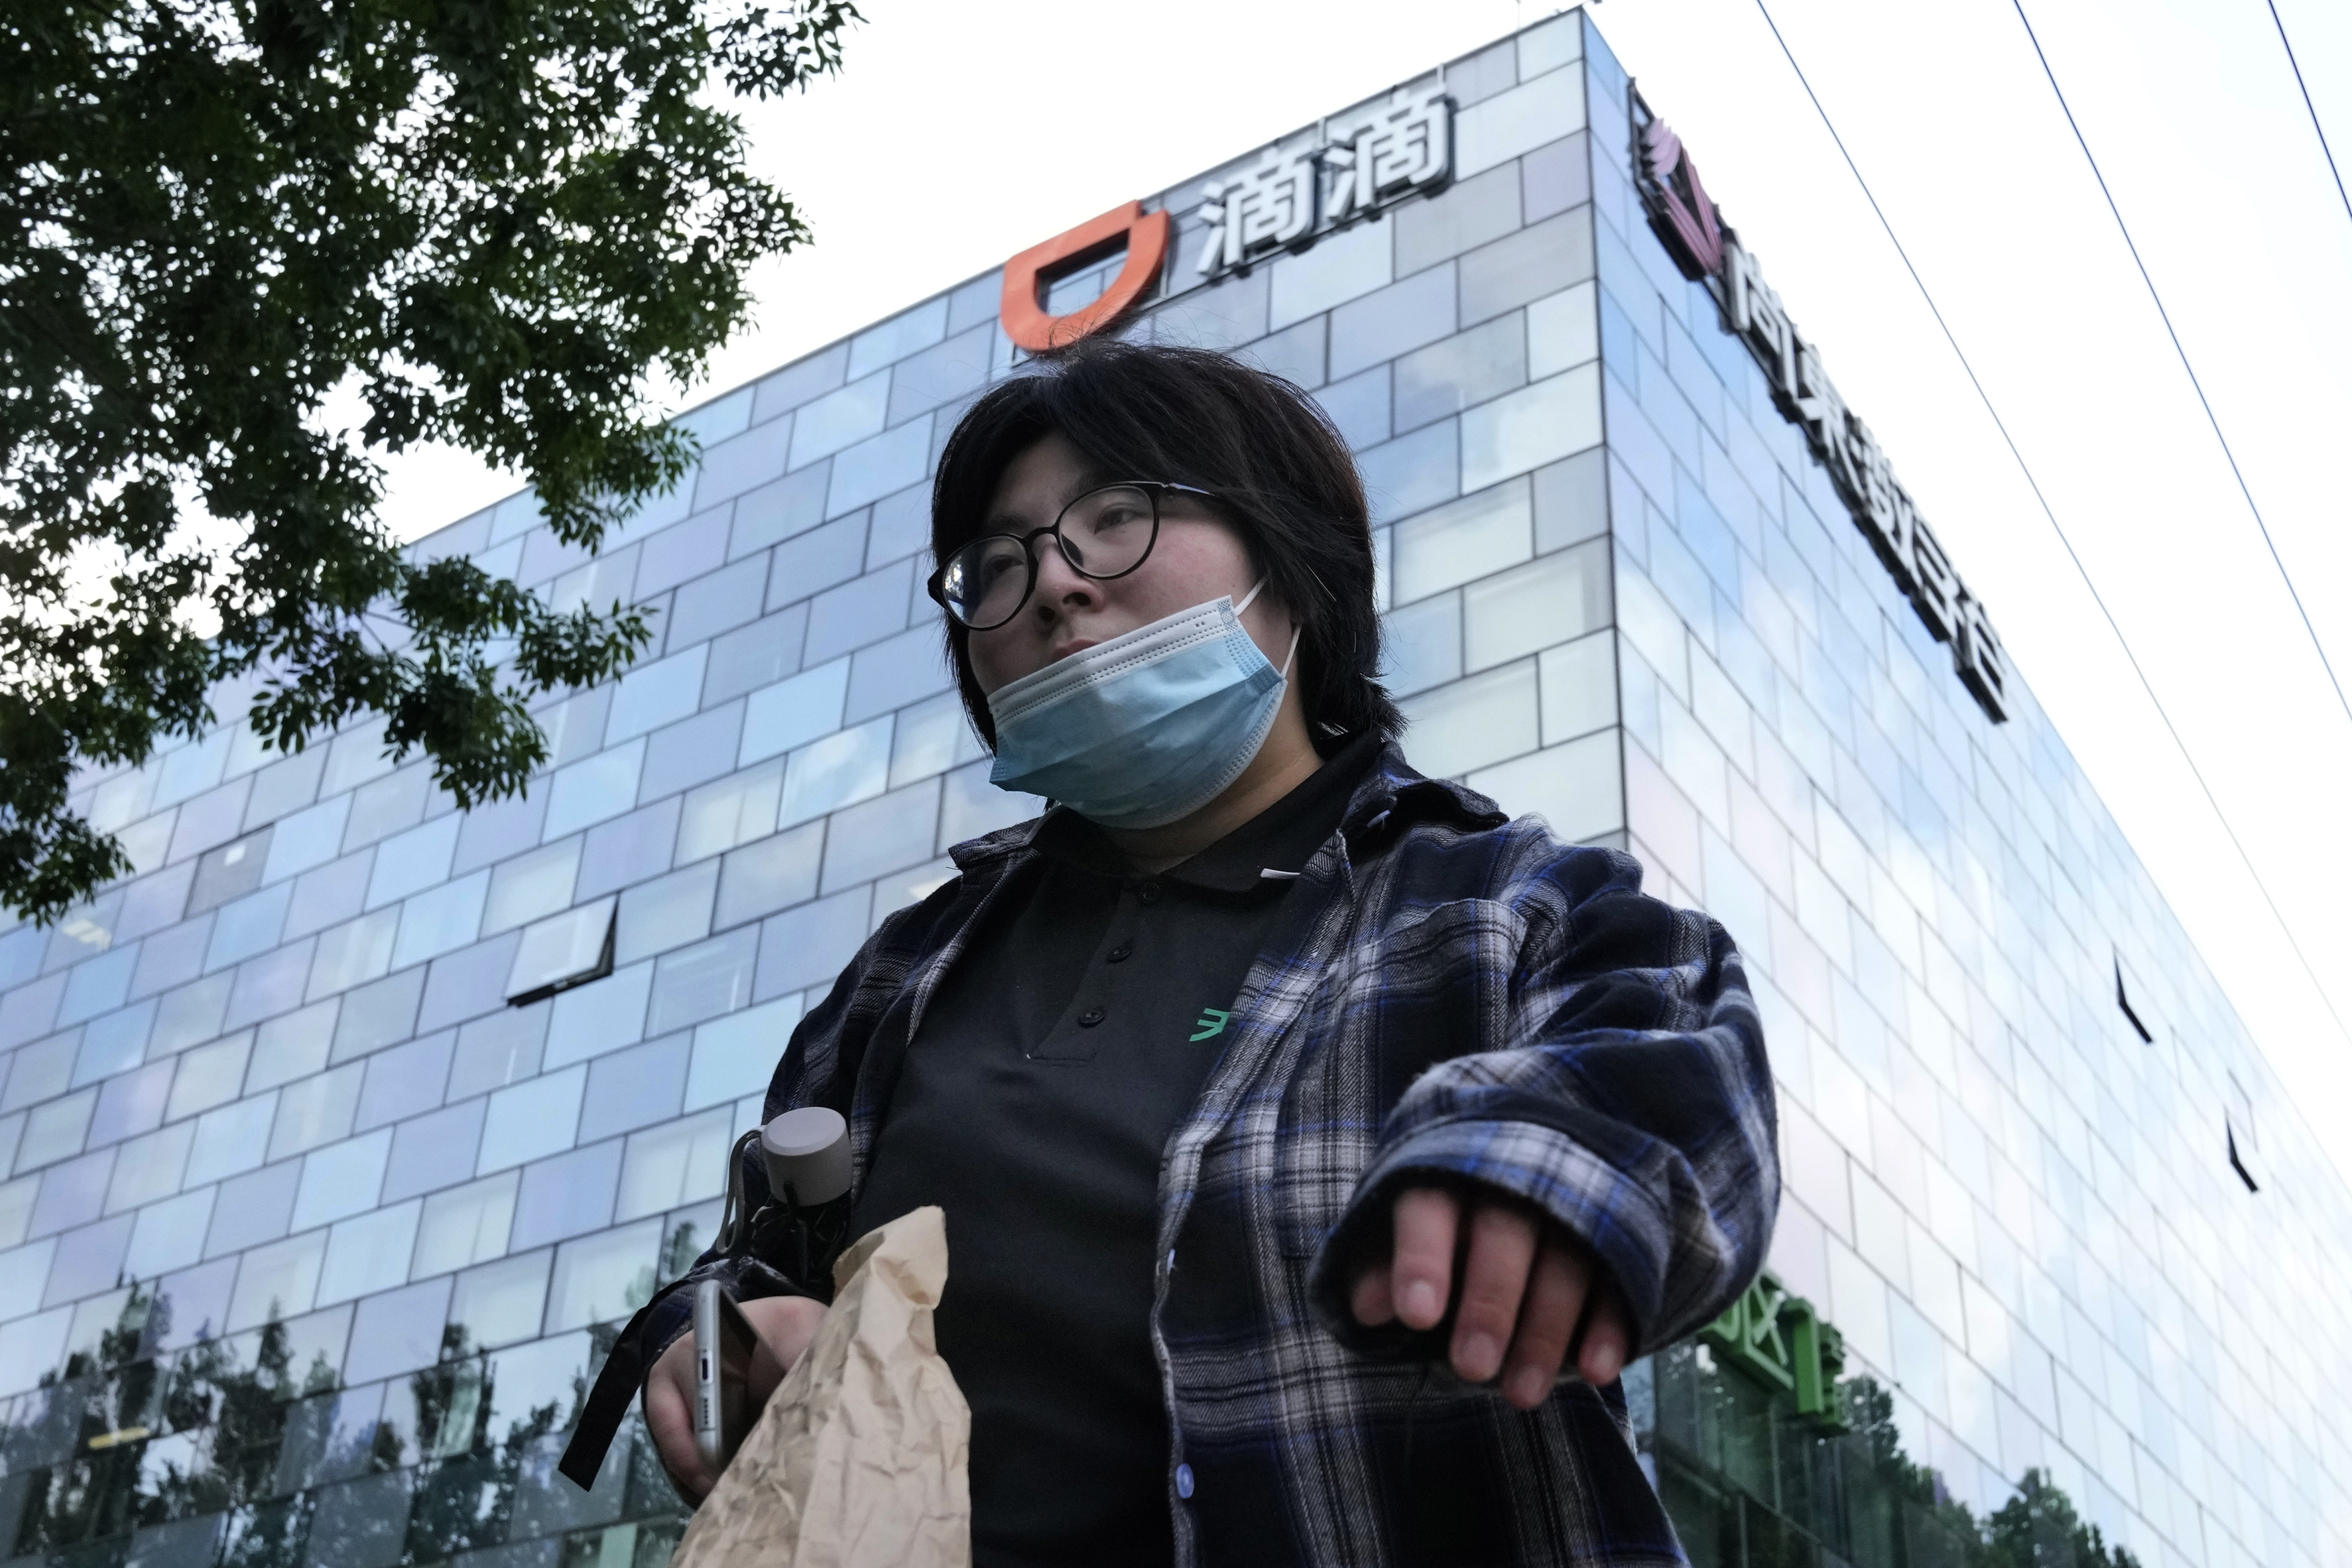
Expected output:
(1146, 728)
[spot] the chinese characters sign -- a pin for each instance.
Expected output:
(1779, 1340)
(1708, 250)
(1361, 162)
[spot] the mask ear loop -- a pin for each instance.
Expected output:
(1296, 628)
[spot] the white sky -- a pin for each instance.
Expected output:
(961, 133)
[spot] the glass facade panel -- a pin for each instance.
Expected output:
(353, 1282)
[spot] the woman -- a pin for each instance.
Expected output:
(1317, 1144)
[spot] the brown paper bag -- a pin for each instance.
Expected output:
(858, 1461)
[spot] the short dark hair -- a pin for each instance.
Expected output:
(1280, 474)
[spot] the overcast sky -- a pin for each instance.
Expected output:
(960, 133)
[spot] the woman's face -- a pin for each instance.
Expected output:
(1197, 558)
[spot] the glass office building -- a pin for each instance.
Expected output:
(325, 1174)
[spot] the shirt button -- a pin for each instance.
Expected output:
(1184, 1481)
(1147, 893)
(1120, 953)
(1090, 1017)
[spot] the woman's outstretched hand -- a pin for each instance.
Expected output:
(1526, 1288)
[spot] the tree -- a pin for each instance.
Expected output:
(486, 221)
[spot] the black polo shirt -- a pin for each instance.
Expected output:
(1052, 1066)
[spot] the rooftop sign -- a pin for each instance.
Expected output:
(1709, 252)
(1358, 164)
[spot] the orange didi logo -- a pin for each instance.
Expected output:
(1023, 312)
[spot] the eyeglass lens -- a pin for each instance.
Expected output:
(1103, 533)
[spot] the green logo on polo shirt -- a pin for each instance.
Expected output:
(1211, 1023)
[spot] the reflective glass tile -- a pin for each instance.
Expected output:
(231, 1139)
(230, 871)
(1534, 426)
(409, 862)
(277, 1281)
(1460, 372)
(677, 1162)
(665, 913)
(397, 1333)
(98, 984)
(770, 874)
(131, 1104)
(1552, 599)
(632, 849)
(440, 920)
(603, 1016)
(531, 886)
(170, 1235)
(368, 1253)
(1473, 722)
(531, 1120)
(731, 811)
(55, 1131)
(703, 981)
(149, 1168)
(500, 1303)
(329, 895)
(872, 839)
(601, 1278)
(737, 1055)
(253, 1208)
(838, 771)
(1420, 644)
(1468, 539)
(387, 806)
(465, 1226)
(171, 957)
(432, 1151)
(1563, 330)
(1579, 685)
(315, 1111)
(497, 1050)
(568, 1196)
(652, 695)
(691, 751)
(793, 712)
(42, 1070)
(354, 953)
(209, 1076)
(292, 1046)
(498, 830)
(285, 786)
(341, 1179)
(932, 738)
(113, 1044)
(308, 839)
(634, 1088)
(16, 1211)
(757, 655)
(406, 1080)
(89, 1259)
(599, 787)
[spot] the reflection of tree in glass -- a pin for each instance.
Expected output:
(466, 1495)
(1751, 1484)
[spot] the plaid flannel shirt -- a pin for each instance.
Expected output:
(1453, 995)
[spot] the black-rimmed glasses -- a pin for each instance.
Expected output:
(1106, 532)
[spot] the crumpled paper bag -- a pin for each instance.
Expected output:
(859, 1457)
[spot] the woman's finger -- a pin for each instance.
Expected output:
(1556, 1292)
(1494, 1280)
(1608, 1337)
(1421, 1270)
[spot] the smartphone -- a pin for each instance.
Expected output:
(723, 1343)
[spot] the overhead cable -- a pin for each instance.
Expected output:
(2197, 386)
(2047, 511)
(2317, 129)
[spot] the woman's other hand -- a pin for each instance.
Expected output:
(785, 1325)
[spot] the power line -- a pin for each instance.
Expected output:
(2047, 511)
(2318, 130)
(2197, 386)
